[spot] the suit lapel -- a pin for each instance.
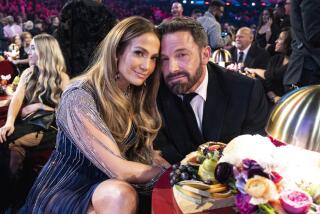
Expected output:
(249, 59)
(185, 138)
(214, 108)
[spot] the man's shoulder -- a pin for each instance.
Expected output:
(226, 77)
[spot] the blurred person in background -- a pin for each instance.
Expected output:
(278, 66)
(11, 28)
(210, 21)
(176, 11)
(83, 25)
(267, 30)
(196, 13)
(22, 62)
(304, 65)
(40, 88)
(246, 54)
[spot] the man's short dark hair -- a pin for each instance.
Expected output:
(186, 24)
(216, 3)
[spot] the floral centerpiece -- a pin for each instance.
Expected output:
(270, 179)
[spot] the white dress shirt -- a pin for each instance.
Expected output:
(245, 53)
(197, 103)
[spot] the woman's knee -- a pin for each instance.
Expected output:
(114, 191)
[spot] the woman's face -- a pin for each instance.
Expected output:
(280, 43)
(33, 55)
(138, 60)
(265, 16)
(17, 40)
(27, 39)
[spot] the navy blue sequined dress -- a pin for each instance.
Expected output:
(75, 168)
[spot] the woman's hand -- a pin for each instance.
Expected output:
(159, 160)
(29, 109)
(5, 131)
(276, 99)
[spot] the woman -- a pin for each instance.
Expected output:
(107, 122)
(277, 66)
(40, 88)
(267, 31)
(23, 62)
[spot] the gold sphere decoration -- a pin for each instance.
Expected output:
(221, 57)
(295, 119)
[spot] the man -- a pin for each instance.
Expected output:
(225, 105)
(83, 25)
(210, 22)
(247, 52)
(176, 11)
(196, 13)
(304, 63)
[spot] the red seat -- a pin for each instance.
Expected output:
(7, 67)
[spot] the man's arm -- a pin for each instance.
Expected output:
(168, 151)
(310, 9)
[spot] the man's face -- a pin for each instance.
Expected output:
(219, 13)
(182, 62)
(176, 9)
(243, 39)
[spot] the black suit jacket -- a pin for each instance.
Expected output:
(256, 58)
(235, 105)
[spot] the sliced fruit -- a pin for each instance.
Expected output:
(196, 191)
(217, 189)
(295, 201)
(224, 194)
(187, 193)
(195, 184)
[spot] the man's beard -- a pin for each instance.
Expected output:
(183, 87)
(218, 18)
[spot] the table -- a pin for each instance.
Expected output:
(163, 200)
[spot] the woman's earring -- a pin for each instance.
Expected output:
(117, 76)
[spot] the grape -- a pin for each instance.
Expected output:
(177, 171)
(205, 151)
(190, 169)
(183, 168)
(175, 166)
(195, 177)
(184, 176)
(172, 182)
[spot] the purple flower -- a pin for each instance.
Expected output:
(252, 168)
(242, 203)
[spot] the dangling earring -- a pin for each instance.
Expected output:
(117, 76)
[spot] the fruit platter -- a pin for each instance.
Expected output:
(194, 182)
(250, 173)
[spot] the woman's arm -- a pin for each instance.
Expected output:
(256, 71)
(81, 122)
(14, 108)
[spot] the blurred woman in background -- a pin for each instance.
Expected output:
(40, 88)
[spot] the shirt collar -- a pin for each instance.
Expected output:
(202, 89)
(245, 51)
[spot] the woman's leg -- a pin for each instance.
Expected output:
(114, 196)
(17, 151)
